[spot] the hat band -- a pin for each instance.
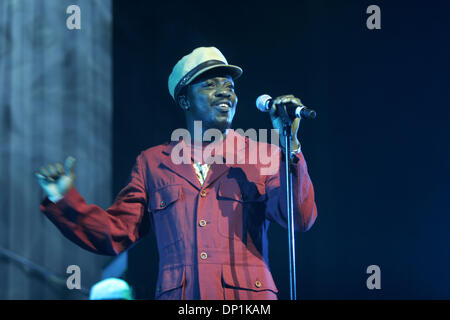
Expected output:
(191, 73)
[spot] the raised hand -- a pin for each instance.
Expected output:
(57, 180)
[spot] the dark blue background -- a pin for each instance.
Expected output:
(378, 153)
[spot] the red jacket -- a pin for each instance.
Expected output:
(212, 239)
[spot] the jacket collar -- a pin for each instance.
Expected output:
(186, 170)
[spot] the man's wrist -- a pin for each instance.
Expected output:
(294, 151)
(55, 198)
(295, 147)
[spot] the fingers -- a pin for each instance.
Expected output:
(53, 172)
(59, 168)
(296, 101)
(295, 125)
(287, 99)
(68, 164)
(273, 110)
(283, 100)
(40, 176)
(44, 174)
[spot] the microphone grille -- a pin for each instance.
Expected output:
(262, 102)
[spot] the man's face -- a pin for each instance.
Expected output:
(212, 100)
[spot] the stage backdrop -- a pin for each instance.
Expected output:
(377, 153)
(55, 101)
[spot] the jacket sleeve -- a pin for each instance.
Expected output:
(305, 210)
(109, 231)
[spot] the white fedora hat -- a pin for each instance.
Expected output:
(194, 64)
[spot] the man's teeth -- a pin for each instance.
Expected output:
(224, 105)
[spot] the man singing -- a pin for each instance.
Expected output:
(211, 213)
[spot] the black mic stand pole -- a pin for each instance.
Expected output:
(287, 133)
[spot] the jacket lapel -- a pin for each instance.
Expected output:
(184, 170)
(217, 170)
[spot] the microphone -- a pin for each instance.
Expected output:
(264, 104)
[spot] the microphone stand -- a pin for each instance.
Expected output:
(287, 133)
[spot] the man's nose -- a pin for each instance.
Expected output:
(223, 93)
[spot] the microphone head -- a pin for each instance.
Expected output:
(312, 114)
(262, 102)
(305, 113)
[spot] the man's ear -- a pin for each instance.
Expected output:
(183, 102)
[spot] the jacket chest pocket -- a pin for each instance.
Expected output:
(237, 206)
(164, 204)
(249, 283)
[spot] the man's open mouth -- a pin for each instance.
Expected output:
(223, 106)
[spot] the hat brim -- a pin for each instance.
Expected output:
(234, 71)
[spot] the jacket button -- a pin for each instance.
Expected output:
(202, 223)
(203, 255)
(203, 193)
(258, 284)
(162, 204)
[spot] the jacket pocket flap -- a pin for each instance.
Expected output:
(231, 190)
(170, 279)
(256, 278)
(163, 197)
